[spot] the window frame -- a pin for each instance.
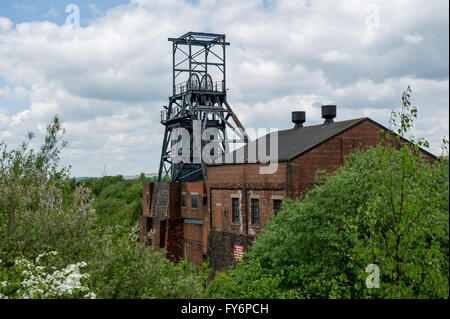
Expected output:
(275, 210)
(235, 210)
(255, 211)
(192, 200)
(183, 200)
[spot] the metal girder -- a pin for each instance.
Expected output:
(197, 42)
(197, 99)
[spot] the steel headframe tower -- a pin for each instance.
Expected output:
(199, 93)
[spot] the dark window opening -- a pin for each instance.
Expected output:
(235, 205)
(194, 201)
(162, 234)
(205, 201)
(162, 198)
(277, 206)
(148, 199)
(183, 200)
(255, 211)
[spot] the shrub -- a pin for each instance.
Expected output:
(31, 280)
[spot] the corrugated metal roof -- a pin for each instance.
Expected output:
(295, 141)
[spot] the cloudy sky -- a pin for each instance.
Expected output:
(109, 78)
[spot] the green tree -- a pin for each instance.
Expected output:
(386, 206)
(307, 243)
(40, 210)
(43, 210)
(404, 229)
(246, 281)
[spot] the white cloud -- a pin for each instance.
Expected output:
(413, 38)
(109, 80)
(5, 24)
(15, 93)
(334, 56)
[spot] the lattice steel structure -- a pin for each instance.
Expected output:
(199, 93)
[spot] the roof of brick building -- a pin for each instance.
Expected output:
(297, 141)
(293, 142)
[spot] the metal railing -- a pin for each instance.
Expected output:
(168, 114)
(218, 86)
(164, 116)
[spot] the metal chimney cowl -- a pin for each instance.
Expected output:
(298, 118)
(328, 113)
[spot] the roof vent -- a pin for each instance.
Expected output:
(328, 113)
(298, 118)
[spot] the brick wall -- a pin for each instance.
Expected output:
(212, 231)
(192, 232)
(174, 239)
(198, 189)
(164, 214)
(145, 223)
(244, 182)
(237, 175)
(222, 209)
(147, 195)
(193, 251)
(292, 179)
(194, 241)
(328, 156)
(221, 245)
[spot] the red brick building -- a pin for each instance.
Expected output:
(213, 219)
(175, 214)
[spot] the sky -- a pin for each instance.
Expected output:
(108, 78)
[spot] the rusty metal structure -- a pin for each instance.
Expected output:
(199, 98)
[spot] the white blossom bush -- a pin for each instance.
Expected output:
(41, 209)
(27, 279)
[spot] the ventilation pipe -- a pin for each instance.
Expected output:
(298, 118)
(328, 113)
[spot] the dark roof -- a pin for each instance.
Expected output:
(297, 141)
(293, 142)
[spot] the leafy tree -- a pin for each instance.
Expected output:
(32, 280)
(386, 206)
(247, 281)
(42, 209)
(404, 229)
(307, 243)
(123, 268)
(117, 202)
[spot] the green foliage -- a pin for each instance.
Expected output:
(33, 280)
(404, 228)
(118, 202)
(386, 206)
(40, 210)
(43, 210)
(246, 281)
(97, 185)
(124, 269)
(307, 243)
